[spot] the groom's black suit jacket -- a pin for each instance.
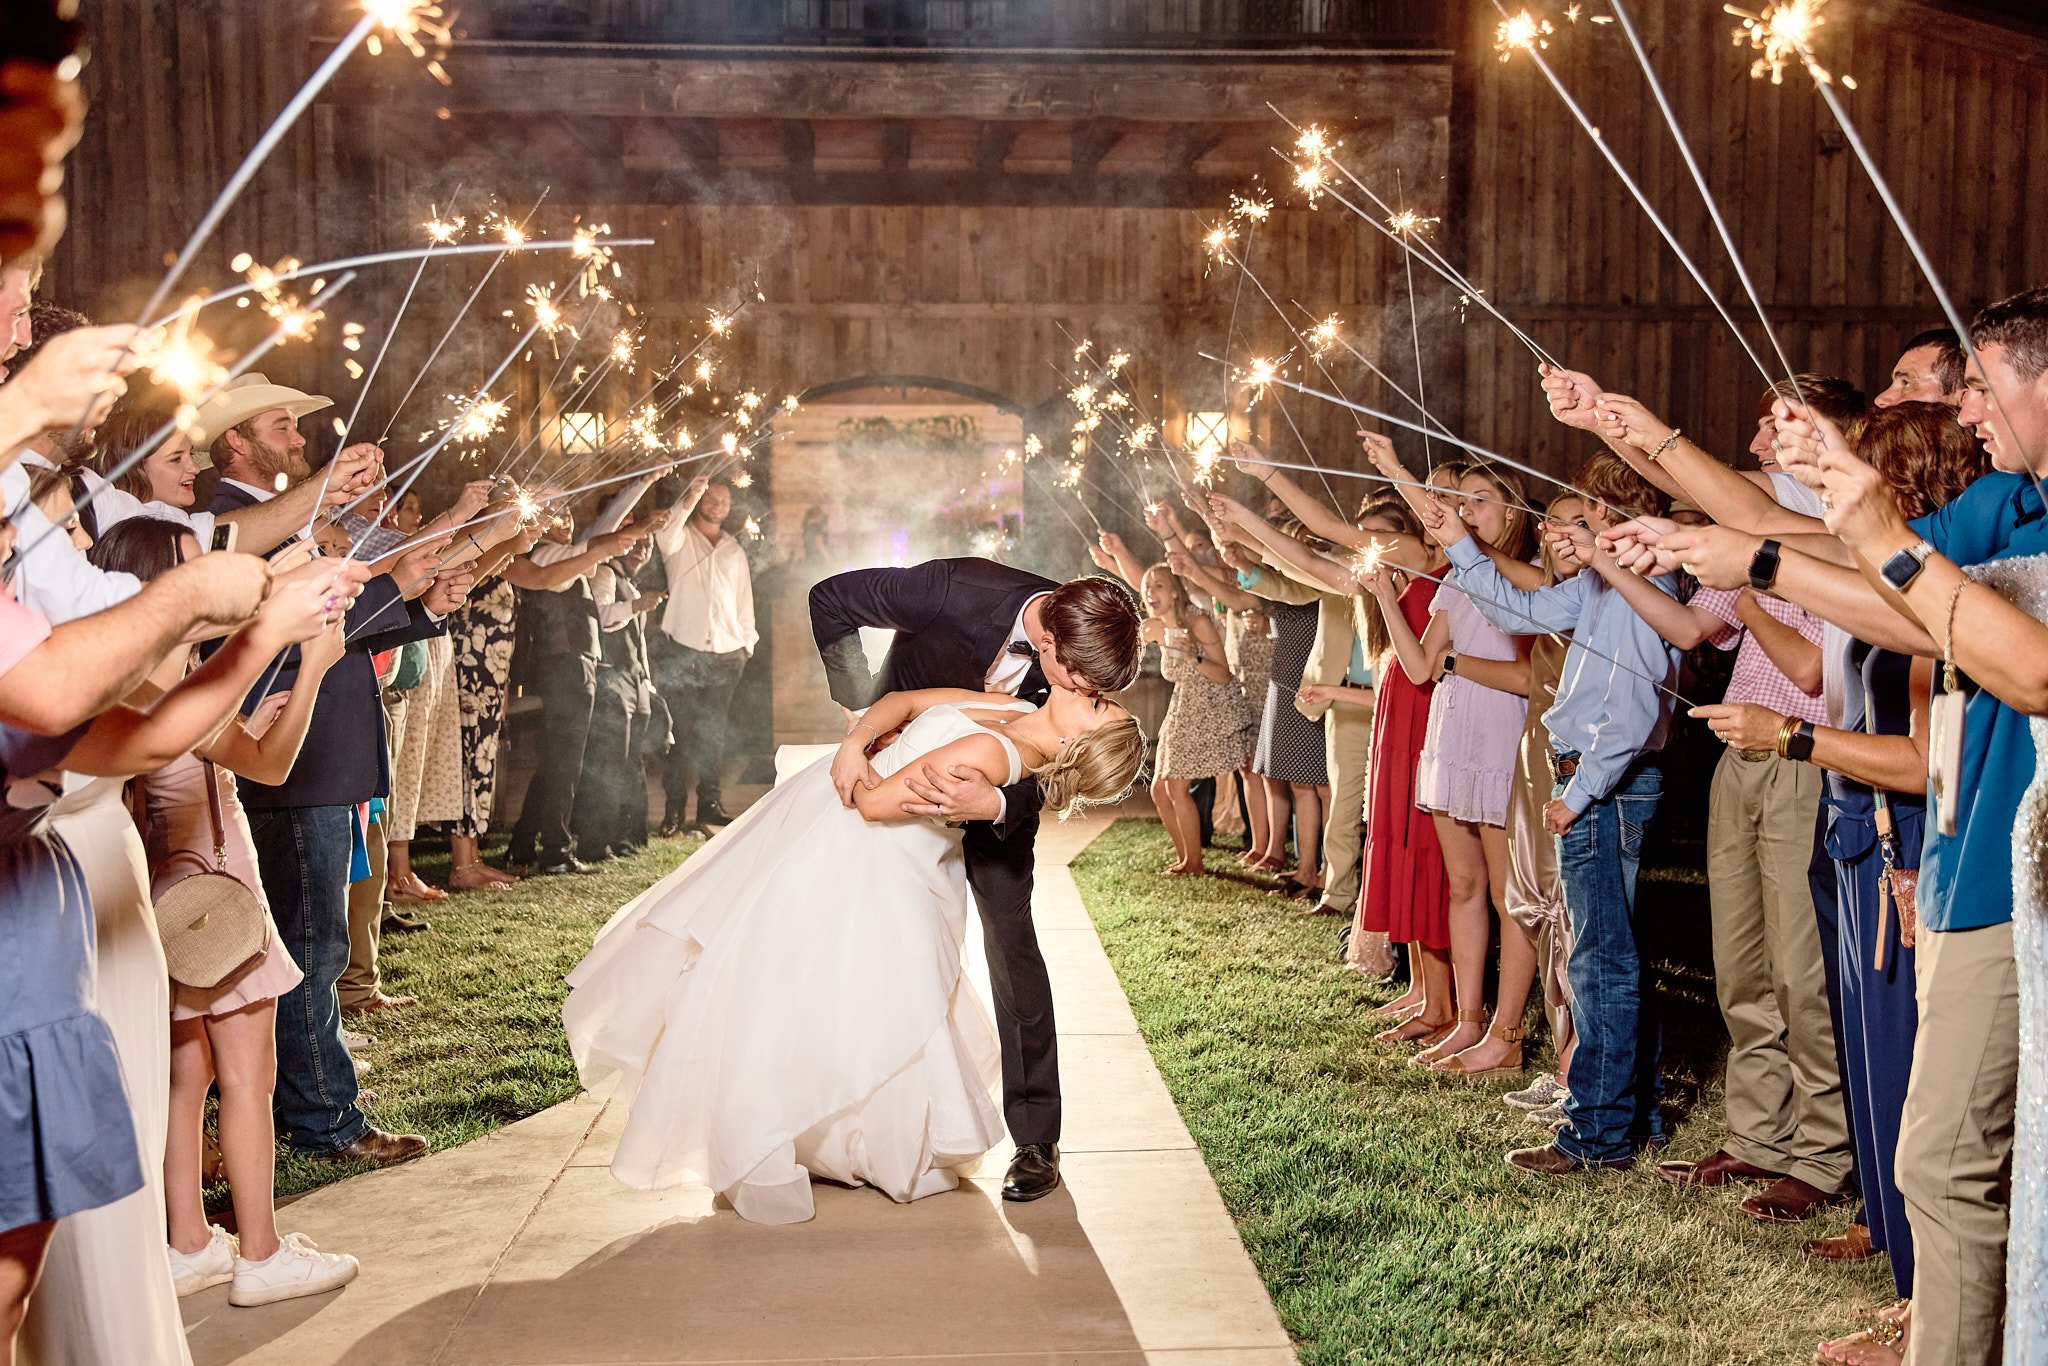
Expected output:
(952, 620)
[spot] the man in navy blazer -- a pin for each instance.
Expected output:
(304, 826)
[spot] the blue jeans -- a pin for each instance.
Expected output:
(1614, 1083)
(302, 854)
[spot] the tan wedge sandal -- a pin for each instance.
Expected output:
(1455, 1066)
(1428, 1056)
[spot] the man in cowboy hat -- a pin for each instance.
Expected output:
(304, 826)
(249, 432)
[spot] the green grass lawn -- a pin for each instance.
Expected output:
(1373, 1199)
(484, 1046)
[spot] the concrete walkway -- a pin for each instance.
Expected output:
(521, 1250)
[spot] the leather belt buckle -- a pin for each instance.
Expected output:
(1755, 756)
(1562, 766)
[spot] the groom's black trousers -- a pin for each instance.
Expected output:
(1000, 873)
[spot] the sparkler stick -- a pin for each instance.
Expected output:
(1699, 178)
(147, 448)
(1790, 35)
(482, 392)
(1052, 489)
(1245, 273)
(1376, 477)
(1428, 254)
(509, 247)
(1384, 378)
(380, 258)
(1415, 335)
(1374, 557)
(533, 421)
(1642, 200)
(265, 145)
(1479, 451)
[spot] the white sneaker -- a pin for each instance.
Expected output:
(297, 1268)
(214, 1264)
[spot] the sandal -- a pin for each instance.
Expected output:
(1456, 1066)
(1883, 1343)
(1428, 1056)
(412, 889)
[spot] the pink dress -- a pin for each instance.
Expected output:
(1467, 766)
(180, 843)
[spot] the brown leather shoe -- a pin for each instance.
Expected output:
(1789, 1200)
(379, 1002)
(383, 1149)
(1852, 1245)
(1717, 1169)
(1551, 1160)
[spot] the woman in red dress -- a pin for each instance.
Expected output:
(1404, 899)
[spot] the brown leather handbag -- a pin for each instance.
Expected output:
(215, 929)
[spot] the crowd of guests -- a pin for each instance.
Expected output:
(1458, 707)
(216, 661)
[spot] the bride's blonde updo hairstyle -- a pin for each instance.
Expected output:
(1094, 768)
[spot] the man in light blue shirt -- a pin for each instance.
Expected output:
(1610, 718)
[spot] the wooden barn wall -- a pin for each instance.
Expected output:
(1549, 230)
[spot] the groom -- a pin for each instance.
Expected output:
(985, 626)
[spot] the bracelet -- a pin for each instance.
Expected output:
(1666, 444)
(1785, 734)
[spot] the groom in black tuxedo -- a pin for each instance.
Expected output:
(984, 626)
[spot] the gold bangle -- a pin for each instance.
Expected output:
(1665, 445)
(1785, 734)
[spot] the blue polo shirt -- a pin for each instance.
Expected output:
(1966, 878)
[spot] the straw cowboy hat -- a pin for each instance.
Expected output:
(241, 399)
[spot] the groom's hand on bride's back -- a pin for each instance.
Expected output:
(958, 794)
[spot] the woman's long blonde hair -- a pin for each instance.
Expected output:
(1093, 769)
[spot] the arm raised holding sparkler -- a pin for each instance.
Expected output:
(262, 527)
(1313, 512)
(79, 371)
(1313, 573)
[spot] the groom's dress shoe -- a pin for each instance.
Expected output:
(1034, 1172)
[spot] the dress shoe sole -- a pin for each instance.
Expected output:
(1026, 1197)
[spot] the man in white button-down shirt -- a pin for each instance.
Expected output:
(708, 635)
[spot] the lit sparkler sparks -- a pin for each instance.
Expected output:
(1082, 396)
(546, 311)
(752, 527)
(587, 245)
(1082, 348)
(789, 403)
(1204, 461)
(729, 443)
(1409, 223)
(719, 323)
(475, 422)
(1522, 31)
(1249, 209)
(509, 232)
(1324, 336)
(528, 505)
(1141, 436)
(183, 361)
(1312, 173)
(1260, 372)
(622, 350)
(1216, 242)
(1782, 35)
(444, 231)
(1070, 475)
(1116, 362)
(703, 370)
(743, 480)
(1369, 561)
(1033, 447)
(414, 25)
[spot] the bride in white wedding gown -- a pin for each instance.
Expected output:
(789, 1003)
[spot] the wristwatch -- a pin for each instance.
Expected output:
(1800, 744)
(1901, 569)
(1450, 665)
(1763, 566)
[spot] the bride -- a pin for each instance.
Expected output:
(789, 1003)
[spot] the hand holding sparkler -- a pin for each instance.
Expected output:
(1246, 457)
(1625, 420)
(449, 589)
(1638, 545)
(304, 601)
(1569, 541)
(1444, 526)
(1573, 397)
(1161, 521)
(1856, 502)
(1717, 556)
(1101, 558)
(225, 588)
(1742, 725)
(414, 570)
(80, 371)
(1228, 510)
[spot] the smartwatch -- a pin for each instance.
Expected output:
(1763, 566)
(1800, 745)
(1450, 665)
(1901, 569)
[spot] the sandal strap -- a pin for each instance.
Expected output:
(1472, 1017)
(1508, 1033)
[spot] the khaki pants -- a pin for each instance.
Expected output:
(360, 983)
(1955, 1142)
(1347, 740)
(1785, 1108)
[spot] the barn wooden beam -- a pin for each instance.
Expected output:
(991, 146)
(497, 79)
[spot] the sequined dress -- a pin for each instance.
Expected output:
(2024, 582)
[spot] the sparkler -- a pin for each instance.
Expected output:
(1642, 200)
(1784, 32)
(1480, 451)
(1409, 223)
(1522, 31)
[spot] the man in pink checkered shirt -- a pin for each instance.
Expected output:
(1788, 1129)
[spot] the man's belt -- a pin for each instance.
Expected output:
(1562, 766)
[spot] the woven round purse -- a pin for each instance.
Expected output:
(214, 928)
